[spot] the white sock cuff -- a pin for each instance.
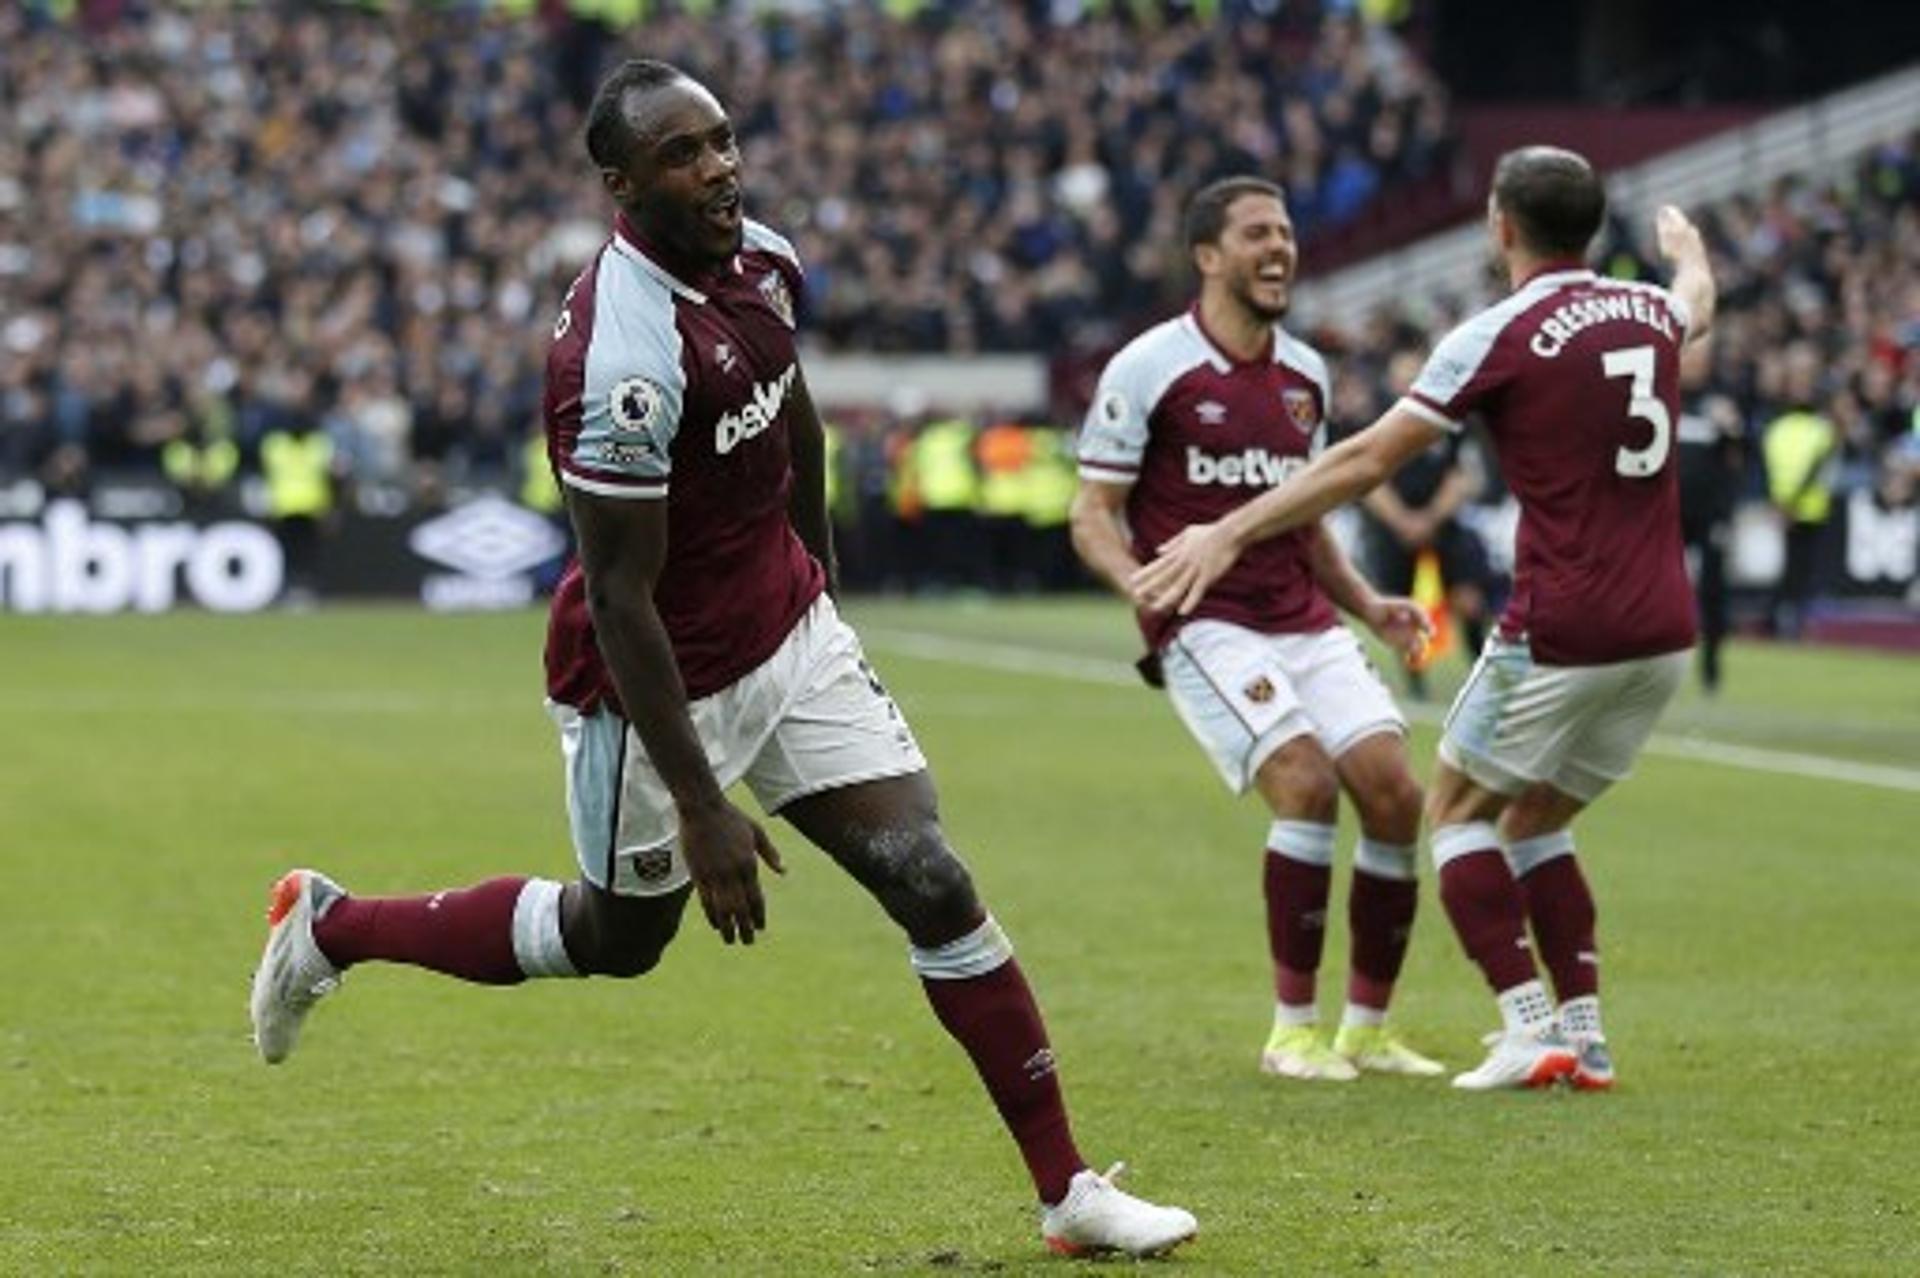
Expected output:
(1384, 860)
(975, 954)
(1362, 1015)
(537, 946)
(1309, 842)
(1451, 841)
(1528, 854)
(1291, 1014)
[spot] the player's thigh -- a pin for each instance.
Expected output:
(1378, 778)
(1343, 695)
(620, 814)
(1298, 781)
(1541, 808)
(1228, 686)
(1512, 721)
(886, 834)
(839, 727)
(1623, 708)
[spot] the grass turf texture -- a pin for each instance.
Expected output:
(794, 1108)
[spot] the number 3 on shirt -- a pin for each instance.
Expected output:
(1637, 362)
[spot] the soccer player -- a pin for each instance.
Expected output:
(1577, 379)
(696, 645)
(1193, 419)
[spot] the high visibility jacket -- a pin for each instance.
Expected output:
(191, 465)
(538, 488)
(943, 463)
(1797, 447)
(299, 473)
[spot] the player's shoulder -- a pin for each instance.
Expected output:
(1301, 356)
(635, 317)
(758, 237)
(1161, 353)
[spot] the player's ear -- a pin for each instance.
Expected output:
(618, 185)
(1206, 258)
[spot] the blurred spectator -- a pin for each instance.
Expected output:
(1799, 446)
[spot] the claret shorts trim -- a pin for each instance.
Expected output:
(812, 717)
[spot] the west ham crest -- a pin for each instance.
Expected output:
(1301, 410)
(773, 287)
(1260, 691)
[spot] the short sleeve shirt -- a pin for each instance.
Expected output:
(1196, 434)
(661, 390)
(1577, 380)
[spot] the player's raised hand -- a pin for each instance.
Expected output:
(1401, 624)
(1678, 237)
(1185, 568)
(723, 848)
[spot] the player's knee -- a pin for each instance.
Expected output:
(933, 891)
(1301, 784)
(628, 956)
(1390, 809)
(625, 938)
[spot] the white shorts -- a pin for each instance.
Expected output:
(812, 717)
(1578, 728)
(1244, 694)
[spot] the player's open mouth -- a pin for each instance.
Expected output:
(724, 212)
(1276, 274)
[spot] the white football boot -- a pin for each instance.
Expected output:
(293, 974)
(1099, 1218)
(1520, 1059)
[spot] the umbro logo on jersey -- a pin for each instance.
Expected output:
(723, 356)
(751, 419)
(1210, 412)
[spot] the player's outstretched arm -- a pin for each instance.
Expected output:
(1098, 519)
(807, 504)
(623, 546)
(1680, 243)
(1200, 555)
(1401, 624)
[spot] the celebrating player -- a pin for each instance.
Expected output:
(1193, 419)
(696, 645)
(1577, 380)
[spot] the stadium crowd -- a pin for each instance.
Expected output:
(219, 227)
(219, 222)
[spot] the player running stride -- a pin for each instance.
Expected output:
(1193, 419)
(1577, 379)
(696, 645)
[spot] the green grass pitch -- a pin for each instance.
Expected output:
(793, 1109)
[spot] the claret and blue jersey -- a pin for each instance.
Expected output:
(665, 389)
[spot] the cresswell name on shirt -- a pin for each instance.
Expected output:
(753, 417)
(1569, 319)
(1248, 468)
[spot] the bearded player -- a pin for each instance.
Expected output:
(1192, 420)
(696, 645)
(1577, 380)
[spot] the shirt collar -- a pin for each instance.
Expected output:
(628, 243)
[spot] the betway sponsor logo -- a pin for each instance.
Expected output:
(1248, 468)
(68, 563)
(737, 427)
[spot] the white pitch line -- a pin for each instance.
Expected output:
(1015, 659)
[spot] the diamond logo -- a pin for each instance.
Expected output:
(489, 537)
